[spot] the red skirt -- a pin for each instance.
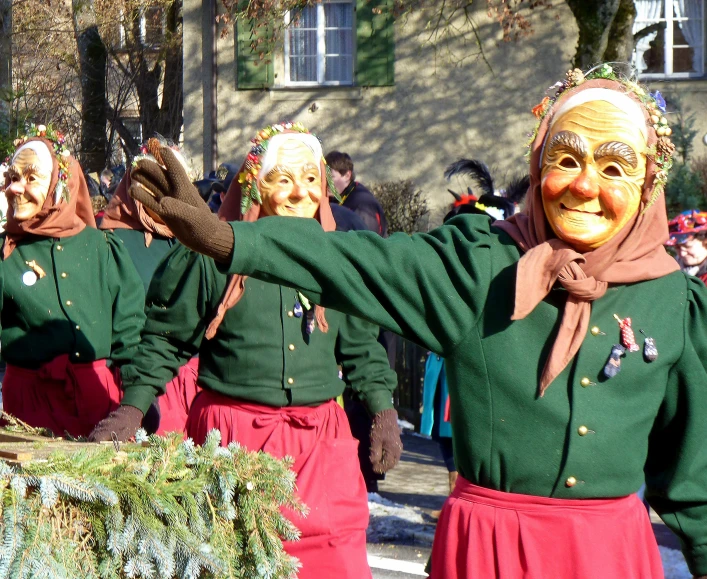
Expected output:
(329, 480)
(61, 396)
(176, 401)
(487, 534)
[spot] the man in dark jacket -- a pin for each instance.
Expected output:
(354, 195)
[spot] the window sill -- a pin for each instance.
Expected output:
(694, 84)
(292, 93)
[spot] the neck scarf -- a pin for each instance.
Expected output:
(231, 211)
(57, 217)
(124, 212)
(634, 254)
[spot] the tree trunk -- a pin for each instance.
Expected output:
(5, 58)
(92, 66)
(594, 20)
(621, 41)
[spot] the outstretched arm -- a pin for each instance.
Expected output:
(430, 288)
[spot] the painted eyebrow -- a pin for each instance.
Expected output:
(29, 169)
(617, 149)
(570, 140)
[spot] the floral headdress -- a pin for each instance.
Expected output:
(654, 103)
(61, 152)
(248, 178)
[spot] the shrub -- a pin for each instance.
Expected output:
(405, 206)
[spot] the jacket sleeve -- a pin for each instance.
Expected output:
(128, 295)
(430, 287)
(364, 363)
(676, 470)
(178, 307)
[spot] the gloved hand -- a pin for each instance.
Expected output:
(386, 446)
(170, 194)
(124, 421)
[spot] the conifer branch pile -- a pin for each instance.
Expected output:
(167, 510)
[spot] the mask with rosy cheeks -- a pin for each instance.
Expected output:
(293, 187)
(28, 180)
(593, 169)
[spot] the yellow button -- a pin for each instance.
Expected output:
(595, 331)
(59, 247)
(78, 327)
(570, 482)
(585, 382)
(290, 314)
(63, 274)
(290, 380)
(291, 347)
(68, 302)
(582, 430)
(77, 354)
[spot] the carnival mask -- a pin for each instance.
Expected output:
(293, 187)
(593, 169)
(28, 178)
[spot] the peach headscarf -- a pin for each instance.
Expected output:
(635, 254)
(57, 217)
(231, 211)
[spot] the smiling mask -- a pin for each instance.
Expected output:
(593, 169)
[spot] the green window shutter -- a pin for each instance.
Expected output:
(375, 43)
(254, 72)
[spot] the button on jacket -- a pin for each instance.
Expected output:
(452, 291)
(261, 352)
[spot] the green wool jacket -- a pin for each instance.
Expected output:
(145, 259)
(452, 291)
(89, 305)
(261, 352)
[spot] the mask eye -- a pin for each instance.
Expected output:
(569, 163)
(612, 171)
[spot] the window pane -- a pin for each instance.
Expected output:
(303, 42)
(339, 68)
(305, 18)
(339, 42)
(338, 15)
(303, 68)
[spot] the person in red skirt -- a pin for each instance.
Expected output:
(575, 349)
(71, 301)
(269, 359)
(147, 240)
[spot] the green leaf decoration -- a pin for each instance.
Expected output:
(168, 510)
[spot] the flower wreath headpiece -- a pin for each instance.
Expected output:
(653, 102)
(248, 178)
(61, 152)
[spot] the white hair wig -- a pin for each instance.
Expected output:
(269, 158)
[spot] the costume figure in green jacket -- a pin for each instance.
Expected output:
(70, 298)
(268, 360)
(575, 350)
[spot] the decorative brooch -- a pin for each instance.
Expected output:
(61, 152)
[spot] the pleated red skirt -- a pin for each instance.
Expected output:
(61, 396)
(487, 534)
(329, 480)
(176, 401)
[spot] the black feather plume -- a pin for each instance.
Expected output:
(517, 188)
(476, 169)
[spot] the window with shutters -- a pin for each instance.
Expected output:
(330, 43)
(319, 44)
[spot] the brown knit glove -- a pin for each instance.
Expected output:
(386, 446)
(170, 194)
(123, 421)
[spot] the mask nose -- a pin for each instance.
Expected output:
(15, 188)
(586, 185)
